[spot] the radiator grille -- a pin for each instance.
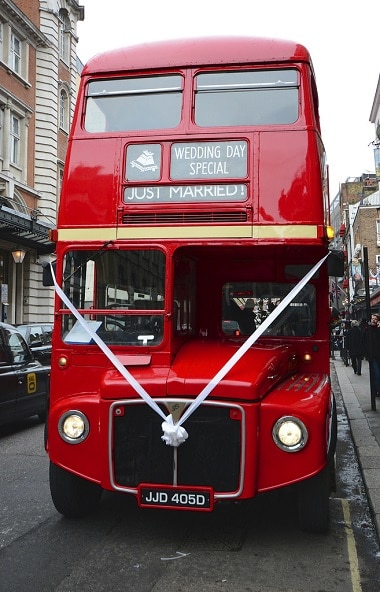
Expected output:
(210, 456)
(149, 218)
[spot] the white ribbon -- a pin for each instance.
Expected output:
(174, 434)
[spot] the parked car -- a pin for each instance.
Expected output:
(24, 381)
(38, 337)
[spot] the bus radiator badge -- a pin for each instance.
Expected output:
(176, 410)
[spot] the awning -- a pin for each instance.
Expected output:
(16, 227)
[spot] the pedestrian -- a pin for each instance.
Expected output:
(247, 318)
(355, 347)
(344, 349)
(371, 340)
(363, 326)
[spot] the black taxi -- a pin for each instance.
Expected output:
(24, 382)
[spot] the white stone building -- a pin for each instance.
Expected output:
(38, 79)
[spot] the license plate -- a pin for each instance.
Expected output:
(176, 498)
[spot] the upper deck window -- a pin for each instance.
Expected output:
(255, 97)
(127, 104)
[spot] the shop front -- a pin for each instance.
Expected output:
(24, 240)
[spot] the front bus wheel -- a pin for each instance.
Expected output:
(314, 494)
(314, 502)
(72, 496)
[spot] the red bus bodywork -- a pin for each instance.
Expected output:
(216, 246)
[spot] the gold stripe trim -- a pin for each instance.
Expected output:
(84, 234)
(285, 231)
(185, 232)
(179, 232)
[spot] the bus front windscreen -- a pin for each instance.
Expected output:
(124, 287)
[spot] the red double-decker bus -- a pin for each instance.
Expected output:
(191, 341)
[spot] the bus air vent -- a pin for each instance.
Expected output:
(148, 218)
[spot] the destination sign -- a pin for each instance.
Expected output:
(209, 160)
(185, 193)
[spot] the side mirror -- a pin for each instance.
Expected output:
(47, 278)
(335, 263)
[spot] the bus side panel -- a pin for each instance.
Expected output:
(290, 178)
(89, 195)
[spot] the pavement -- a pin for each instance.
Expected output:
(365, 428)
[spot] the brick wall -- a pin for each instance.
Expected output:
(365, 232)
(31, 8)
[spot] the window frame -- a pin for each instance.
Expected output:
(245, 88)
(64, 36)
(104, 105)
(1, 40)
(15, 56)
(64, 110)
(15, 140)
(2, 115)
(378, 232)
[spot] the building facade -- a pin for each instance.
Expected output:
(375, 119)
(355, 215)
(38, 77)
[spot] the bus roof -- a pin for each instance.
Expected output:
(197, 51)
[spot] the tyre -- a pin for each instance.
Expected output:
(332, 448)
(73, 496)
(42, 416)
(332, 476)
(314, 502)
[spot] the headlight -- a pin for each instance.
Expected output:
(290, 434)
(73, 427)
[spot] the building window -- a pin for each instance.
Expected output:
(2, 131)
(1, 41)
(64, 36)
(63, 110)
(378, 233)
(15, 54)
(15, 140)
(60, 181)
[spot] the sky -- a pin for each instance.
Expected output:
(342, 38)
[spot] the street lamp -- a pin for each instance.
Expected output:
(18, 255)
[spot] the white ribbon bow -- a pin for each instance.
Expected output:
(174, 434)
